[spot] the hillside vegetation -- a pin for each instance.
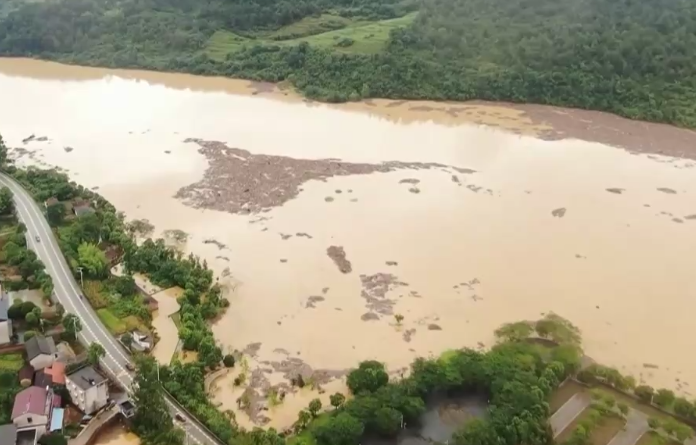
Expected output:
(636, 58)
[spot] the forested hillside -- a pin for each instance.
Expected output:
(636, 58)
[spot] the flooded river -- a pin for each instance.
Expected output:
(326, 221)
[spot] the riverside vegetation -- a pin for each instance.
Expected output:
(634, 58)
(83, 240)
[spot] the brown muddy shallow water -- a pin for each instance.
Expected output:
(455, 225)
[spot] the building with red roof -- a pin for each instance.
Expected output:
(32, 408)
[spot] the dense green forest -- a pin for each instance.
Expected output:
(636, 58)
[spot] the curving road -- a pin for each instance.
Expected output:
(67, 292)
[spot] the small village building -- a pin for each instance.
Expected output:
(32, 409)
(41, 351)
(82, 209)
(57, 373)
(5, 322)
(42, 380)
(51, 201)
(89, 390)
(26, 376)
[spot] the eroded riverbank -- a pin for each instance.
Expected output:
(501, 226)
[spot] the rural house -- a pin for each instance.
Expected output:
(26, 376)
(57, 373)
(82, 209)
(5, 322)
(88, 389)
(41, 351)
(50, 202)
(31, 410)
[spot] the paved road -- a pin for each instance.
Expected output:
(636, 426)
(67, 292)
(569, 412)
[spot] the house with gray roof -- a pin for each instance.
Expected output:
(41, 351)
(89, 390)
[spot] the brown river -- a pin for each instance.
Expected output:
(324, 222)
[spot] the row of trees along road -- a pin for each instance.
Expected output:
(201, 301)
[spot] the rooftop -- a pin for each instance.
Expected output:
(39, 345)
(83, 209)
(8, 434)
(30, 401)
(42, 379)
(26, 373)
(57, 419)
(4, 305)
(57, 373)
(86, 377)
(5, 332)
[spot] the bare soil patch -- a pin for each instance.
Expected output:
(238, 181)
(605, 128)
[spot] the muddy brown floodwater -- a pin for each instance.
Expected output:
(458, 217)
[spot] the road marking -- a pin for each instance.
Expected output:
(30, 210)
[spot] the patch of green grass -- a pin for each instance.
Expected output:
(11, 362)
(306, 27)
(306, 437)
(96, 294)
(366, 38)
(112, 322)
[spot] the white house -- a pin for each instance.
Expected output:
(31, 410)
(88, 389)
(5, 322)
(41, 351)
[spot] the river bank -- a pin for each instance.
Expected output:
(457, 220)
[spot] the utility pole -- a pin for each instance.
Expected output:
(74, 322)
(82, 284)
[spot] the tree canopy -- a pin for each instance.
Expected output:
(92, 259)
(636, 58)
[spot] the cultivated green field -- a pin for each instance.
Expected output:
(11, 362)
(354, 37)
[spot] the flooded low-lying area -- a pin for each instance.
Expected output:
(383, 229)
(116, 434)
(443, 417)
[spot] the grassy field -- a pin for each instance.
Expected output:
(308, 26)
(118, 326)
(113, 323)
(366, 37)
(11, 362)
